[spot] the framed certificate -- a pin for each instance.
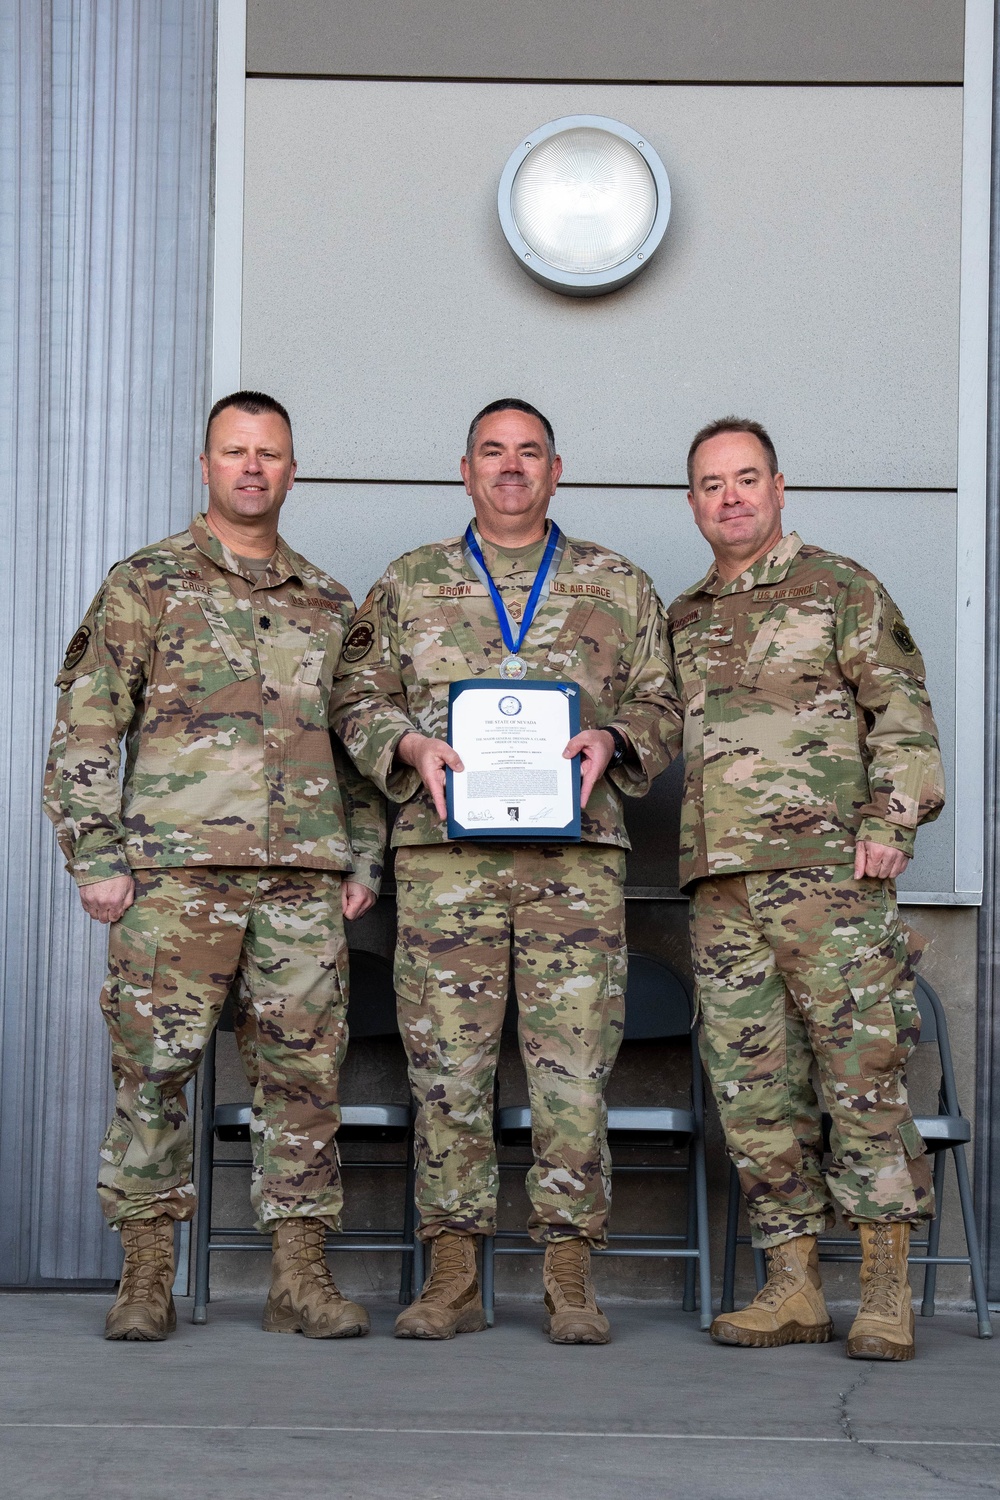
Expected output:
(516, 783)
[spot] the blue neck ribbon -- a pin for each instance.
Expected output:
(551, 559)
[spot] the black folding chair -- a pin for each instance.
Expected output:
(948, 1130)
(371, 1013)
(658, 1006)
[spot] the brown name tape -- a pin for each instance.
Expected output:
(767, 596)
(687, 619)
(581, 590)
(453, 590)
(315, 601)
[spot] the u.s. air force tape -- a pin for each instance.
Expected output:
(360, 640)
(77, 648)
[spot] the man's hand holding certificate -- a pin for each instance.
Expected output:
(516, 781)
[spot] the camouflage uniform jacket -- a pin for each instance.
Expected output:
(220, 684)
(807, 724)
(429, 622)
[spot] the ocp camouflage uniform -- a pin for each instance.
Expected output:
(463, 908)
(238, 818)
(807, 728)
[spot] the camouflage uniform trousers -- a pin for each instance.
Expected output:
(173, 958)
(466, 914)
(797, 965)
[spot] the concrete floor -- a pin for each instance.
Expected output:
(227, 1411)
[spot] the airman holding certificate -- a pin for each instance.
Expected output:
(516, 605)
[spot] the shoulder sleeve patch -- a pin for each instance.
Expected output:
(902, 636)
(896, 646)
(82, 655)
(77, 649)
(359, 641)
(363, 643)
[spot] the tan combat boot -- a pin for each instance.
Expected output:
(573, 1316)
(304, 1296)
(450, 1302)
(788, 1309)
(883, 1328)
(144, 1311)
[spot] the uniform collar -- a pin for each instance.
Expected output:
(282, 567)
(771, 568)
(479, 536)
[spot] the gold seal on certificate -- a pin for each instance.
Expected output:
(516, 784)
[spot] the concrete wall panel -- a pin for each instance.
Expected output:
(880, 41)
(809, 276)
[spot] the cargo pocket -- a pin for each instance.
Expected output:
(132, 966)
(416, 1027)
(336, 960)
(409, 976)
(117, 1141)
(884, 1016)
(614, 1006)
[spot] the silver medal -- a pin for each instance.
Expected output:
(512, 668)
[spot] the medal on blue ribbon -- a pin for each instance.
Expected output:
(513, 667)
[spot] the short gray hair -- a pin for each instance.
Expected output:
(511, 403)
(732, 424)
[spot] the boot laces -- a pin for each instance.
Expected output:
(146, 1261)
(880, 1296)
(781, 1279)
(309, 1253)
(448, 1267)
(569, 1267)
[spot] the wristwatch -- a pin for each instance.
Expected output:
(621, 747)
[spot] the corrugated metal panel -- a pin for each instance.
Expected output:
(105, 157)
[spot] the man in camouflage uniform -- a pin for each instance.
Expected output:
(241, 838)
(467, 910)
(811, 756)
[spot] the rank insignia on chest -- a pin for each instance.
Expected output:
(360, 640)
(76, 649)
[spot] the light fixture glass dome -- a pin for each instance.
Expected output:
(584, 200)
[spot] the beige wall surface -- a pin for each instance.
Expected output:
(884, 41)
(809, 276)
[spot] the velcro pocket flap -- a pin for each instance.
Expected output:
(873, 974)
(312, 666)
(234, 653)
(912, 1140)
(762, 643)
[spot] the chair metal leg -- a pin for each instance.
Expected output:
(732, 1230)
(182, 1239)
(406, 1261)
(488, 1267)
(704, 1260)
(692, 1232)
(203, 1224)
(934, 1238)
(972, 1242)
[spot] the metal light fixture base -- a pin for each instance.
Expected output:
(583, 283)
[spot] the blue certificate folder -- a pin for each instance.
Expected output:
(510, 807)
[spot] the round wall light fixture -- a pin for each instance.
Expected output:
(583, 203)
